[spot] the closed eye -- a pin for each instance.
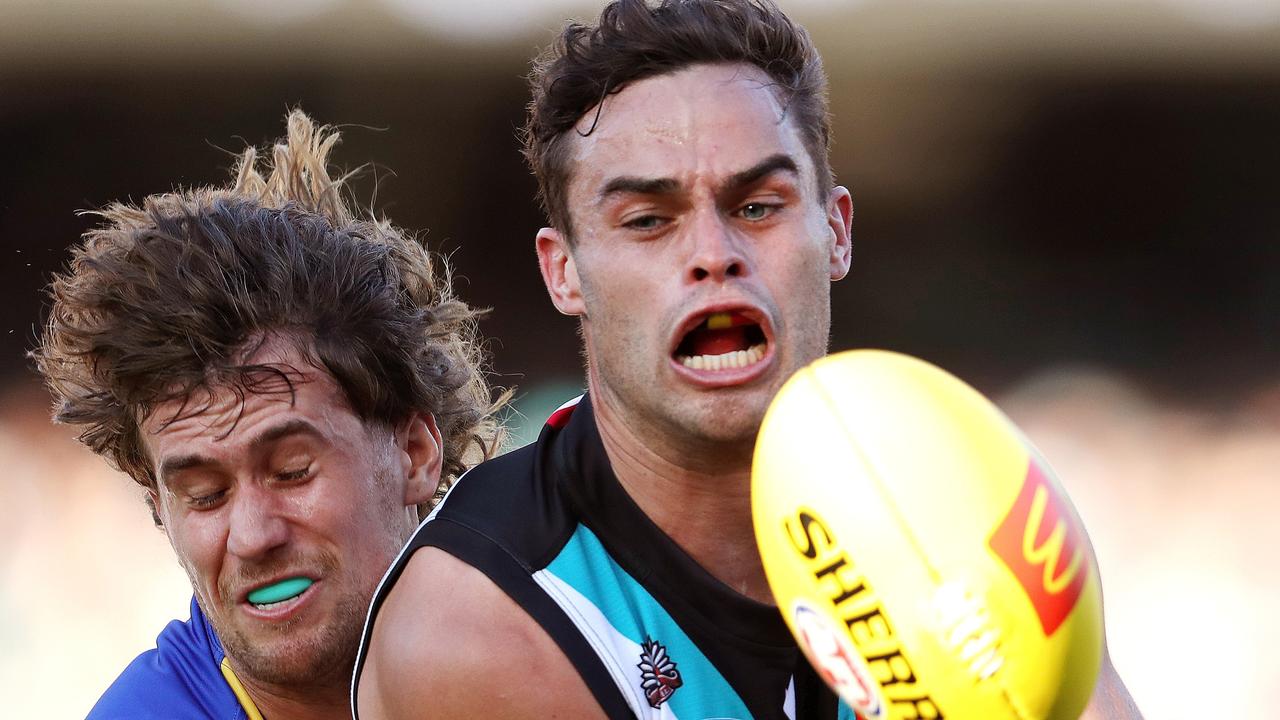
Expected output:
(294, 475)
(645, 222)
(208, 500)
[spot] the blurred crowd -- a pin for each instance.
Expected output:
(1179, 503)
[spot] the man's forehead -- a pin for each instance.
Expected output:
(219, 404)
(734, 106)
(275, 378)
(707, 84)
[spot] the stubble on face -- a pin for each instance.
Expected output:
(286, 654)
(346, 547)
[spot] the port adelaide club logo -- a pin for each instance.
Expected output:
(658, 674)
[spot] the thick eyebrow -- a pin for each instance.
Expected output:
(628, 184)
(761, 170)
(293, 426)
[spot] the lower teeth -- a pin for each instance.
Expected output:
(724, 361)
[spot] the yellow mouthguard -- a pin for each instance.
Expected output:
(719, 321)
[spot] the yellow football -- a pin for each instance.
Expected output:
(921, 550)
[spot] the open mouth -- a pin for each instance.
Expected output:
(722, 341)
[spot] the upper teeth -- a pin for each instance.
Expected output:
(732, 359)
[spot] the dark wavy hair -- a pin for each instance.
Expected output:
(633, 41)
(164, 300)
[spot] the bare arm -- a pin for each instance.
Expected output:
(449, 643)
(1111, 699)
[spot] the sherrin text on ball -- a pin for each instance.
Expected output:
(921, 550)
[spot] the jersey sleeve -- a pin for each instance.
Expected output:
(179, 679)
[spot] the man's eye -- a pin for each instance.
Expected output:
(756, 211)
(644, 222)
(292, 475)
(207, 500)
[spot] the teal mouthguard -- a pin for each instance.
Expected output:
(282, 590)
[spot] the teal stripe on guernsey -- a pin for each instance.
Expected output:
(632, 612)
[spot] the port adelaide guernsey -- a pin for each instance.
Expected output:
(651, 632)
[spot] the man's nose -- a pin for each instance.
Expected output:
(717, 249)
(257, 525)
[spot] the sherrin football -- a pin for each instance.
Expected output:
(922, 552)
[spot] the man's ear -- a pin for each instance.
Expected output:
(840, 222)
(421, 457)
(559, 271)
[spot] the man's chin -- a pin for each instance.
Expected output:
(729, 422)
(297, 656)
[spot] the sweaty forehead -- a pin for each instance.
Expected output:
(705, 119)
(222, 407)
(227, 410)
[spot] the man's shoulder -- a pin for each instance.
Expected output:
(459, 622)
(512, 503)
(455, 606)
(180, 678)
(452, 639)
(527, 478)
(497, 477)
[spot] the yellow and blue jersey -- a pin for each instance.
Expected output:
(185, 677)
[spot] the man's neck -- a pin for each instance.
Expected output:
(706, 512)
(322, 702)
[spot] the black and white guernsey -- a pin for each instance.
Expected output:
(651, 632)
